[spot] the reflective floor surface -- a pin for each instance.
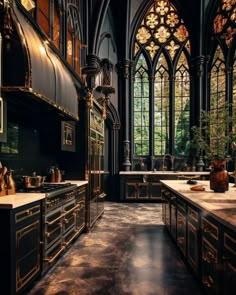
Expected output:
(128, 252)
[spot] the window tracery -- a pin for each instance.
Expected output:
(160, 38)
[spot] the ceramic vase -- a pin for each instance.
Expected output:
(219, 177)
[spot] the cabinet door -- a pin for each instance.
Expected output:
(155, 191)
(131, 190)
(173, 215)
(211, 266)
(27, 254)
(143, 191)
(181, 232)
(28, 248)
(229, 264)
(193, 249)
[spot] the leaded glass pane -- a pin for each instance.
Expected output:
(182, 92)
(217, 101)
(160, 35)
(141, 109)
(234, 96)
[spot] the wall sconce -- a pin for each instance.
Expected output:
(89, 73)
(104, 80)
(28, 4)
(106, 90)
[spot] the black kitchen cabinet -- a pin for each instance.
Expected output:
(210, 255)
(96, 194)
(207, 244)
(166, 207)
(62, 226)
(20, 247)
(145, 186)
(193, 234)
(181, 225)
(140, 188)
(229, 263)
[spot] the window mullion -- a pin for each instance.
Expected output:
(151, 115)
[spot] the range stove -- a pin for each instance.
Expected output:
(55, 193)
(63, 218)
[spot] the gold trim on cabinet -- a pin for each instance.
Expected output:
(211, 254)
(20, 282)
(210, 228)
(193, 214)
(226, 236)
(193, 229)
(22, 215)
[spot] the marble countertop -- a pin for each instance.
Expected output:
(160, 172)
(77, 182)
(21, 199)
(222, 206)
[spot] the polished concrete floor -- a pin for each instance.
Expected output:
(128, 252)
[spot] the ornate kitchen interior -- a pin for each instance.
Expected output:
(117, 102)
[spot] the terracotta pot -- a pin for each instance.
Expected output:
(219, 177)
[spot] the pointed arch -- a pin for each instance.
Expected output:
(160, 41)
(141, 107)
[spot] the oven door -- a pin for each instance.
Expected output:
(69, 219)
(53, 227)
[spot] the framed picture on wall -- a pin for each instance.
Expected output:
(68, 136)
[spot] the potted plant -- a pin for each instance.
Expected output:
(213, 140)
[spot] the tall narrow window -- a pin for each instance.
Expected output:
(218, 96)
(222, 85)
(73, 35)
(69, 43)
(161, 107)
(43, 16)
(141, 109)
(182, 105)
(234, 93)
(56, 25)
(162, 39)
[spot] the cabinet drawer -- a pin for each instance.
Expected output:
(230, 243)
(181, 205)
(210, 229)
(27, 213)
(193, 214)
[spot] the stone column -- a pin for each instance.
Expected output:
(123, 72)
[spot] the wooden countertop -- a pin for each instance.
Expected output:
(222, 206)
(21, 199)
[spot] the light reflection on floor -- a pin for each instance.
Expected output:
(128, 252)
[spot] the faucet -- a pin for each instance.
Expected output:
(172, 158)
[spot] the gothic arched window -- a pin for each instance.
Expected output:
(161, 93)
(222, 70)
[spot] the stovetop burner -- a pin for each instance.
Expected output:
(45, 188)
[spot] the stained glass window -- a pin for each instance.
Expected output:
(141, 108)
(234, 93)
(161, 90)
(182, 105)
(73, 35)
(222, 83)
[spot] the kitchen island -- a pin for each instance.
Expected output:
(203, 226)
(146, 186)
